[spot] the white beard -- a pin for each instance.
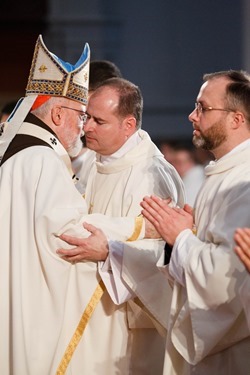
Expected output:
(75, 149)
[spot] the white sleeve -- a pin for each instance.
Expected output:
(244, 293)
(164, 268)
(110, 272)
(131, 271)
(179, 256)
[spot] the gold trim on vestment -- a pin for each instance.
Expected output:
(194, 230)
(138, 228)
(96, 296)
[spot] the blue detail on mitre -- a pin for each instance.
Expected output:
(70, 67)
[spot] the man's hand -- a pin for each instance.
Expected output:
(168, 221)
(94, 248)
(150, 230)
(242, 248)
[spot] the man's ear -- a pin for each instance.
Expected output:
(238, 120)
(56, 115)
(130, 125)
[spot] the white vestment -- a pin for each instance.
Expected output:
(116, 188)
(193, 181)
(43, 296)
(208, 332)
(245, 296)
(82, 165)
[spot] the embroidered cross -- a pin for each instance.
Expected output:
(42, 68)
(53, 141)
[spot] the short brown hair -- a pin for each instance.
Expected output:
(237, 91)
(130, 98)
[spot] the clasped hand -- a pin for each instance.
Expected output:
(242, 247)
(168, 221)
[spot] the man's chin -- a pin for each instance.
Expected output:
(198, 142)
(75, 150)
(90, 145)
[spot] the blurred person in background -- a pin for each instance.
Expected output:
(5, 113)
(181, 154)
(6, 110)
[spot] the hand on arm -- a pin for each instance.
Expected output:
(168, 221)
(242, 248)
(94, 248)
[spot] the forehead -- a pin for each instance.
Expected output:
(105, 98)
(213, 90)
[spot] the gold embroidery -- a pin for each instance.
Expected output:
(97, 295)
(66, 85)
(138, 228)
(42, 69)
(194, 230)
(91, 208)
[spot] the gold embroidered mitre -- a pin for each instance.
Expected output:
(49, 75)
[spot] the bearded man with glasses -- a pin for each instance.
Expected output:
(208, 331)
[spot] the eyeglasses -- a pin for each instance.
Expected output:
(200, 108)
(83, 115)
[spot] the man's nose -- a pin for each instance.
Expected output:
(193, 115)
(89, 124)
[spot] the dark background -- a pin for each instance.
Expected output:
(164, 46)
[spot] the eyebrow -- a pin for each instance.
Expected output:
(94, 117)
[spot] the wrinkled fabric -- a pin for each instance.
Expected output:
(43, 296)
(208, 332)
(116, 188)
